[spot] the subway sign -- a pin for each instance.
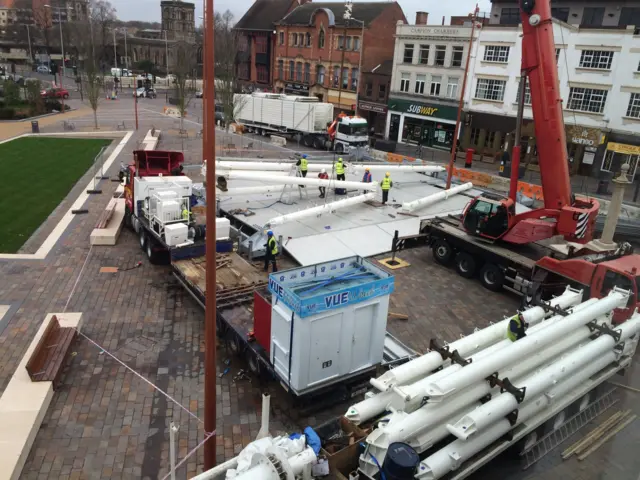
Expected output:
(424, 110)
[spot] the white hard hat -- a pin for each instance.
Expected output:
(323, 171)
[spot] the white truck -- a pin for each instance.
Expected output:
(306, 117)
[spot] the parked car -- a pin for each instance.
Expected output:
(43, 69)
(55, 93)
(145, 93)
(199, 94)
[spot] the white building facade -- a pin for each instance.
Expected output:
(428, 69)
(599, 74)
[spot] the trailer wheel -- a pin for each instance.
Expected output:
(233, 344)
(142, 236)
(318, 143)
(253, 363)
(442, 252)
(465, 265)
(492, 277)
(307, 141)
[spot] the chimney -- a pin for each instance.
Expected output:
(421, 18)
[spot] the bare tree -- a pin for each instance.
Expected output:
(183, 70)
(226, 48)
(84, 38)
(103, 18)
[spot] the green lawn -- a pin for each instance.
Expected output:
(35, 175)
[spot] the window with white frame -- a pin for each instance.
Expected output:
(424, 54)
(634, 106)
(408, 53)
(587, 99)
(527, 95)
(404, 82)
(490, 89)
(436, 81)
(456, 56)
(596, 59)
(496, 53)
(420, 81)
(452, 87)
(441, 52)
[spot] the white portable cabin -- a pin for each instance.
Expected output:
(303, 114)
(328, 322)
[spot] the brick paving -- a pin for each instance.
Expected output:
(105, 422)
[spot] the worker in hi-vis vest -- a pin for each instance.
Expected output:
(386, 185)
(340, 169)
(516, 328)
(185, 214)
(303, 165)
(271, 250)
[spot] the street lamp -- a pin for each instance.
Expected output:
(166, 51)
(359, 62)
(61, 39)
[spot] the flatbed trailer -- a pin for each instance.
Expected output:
(241, 292)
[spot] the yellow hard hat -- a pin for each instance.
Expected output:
(387, 174)
(367, 169)
(340, 159)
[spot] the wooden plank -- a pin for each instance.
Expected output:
(607, 437)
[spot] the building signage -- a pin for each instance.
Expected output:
(280, 283)
(296, 87)
(590, 137)
(437, 32)
(422, 109)
(372, 107)
(623, 148)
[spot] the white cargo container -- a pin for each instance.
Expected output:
(328, 322)
(305, 117)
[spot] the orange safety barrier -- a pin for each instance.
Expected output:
(486, 180)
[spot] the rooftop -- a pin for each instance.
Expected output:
(363, 11)
(263, 14)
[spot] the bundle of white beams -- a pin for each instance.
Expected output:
(558, 354)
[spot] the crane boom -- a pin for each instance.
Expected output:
(539, 64)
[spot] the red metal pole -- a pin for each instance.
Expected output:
(210, 376)
(461, 104)
(515, 168)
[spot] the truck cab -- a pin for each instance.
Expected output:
(349, 132)
(596, 278)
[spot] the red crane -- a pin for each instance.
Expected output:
(494, 217)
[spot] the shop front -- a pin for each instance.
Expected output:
(621, 149)
(582, 147)
(375, 114)
(413, 122)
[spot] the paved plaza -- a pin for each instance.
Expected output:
(108, 422)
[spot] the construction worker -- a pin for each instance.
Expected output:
(303, 165)
(323, 176)
(271, 250)
(185, 214)
(516, 329)
(366, 178)
(386, 185)
(340, 169)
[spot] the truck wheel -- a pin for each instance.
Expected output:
(492, 277)
(318, 143)
(152, 254)
(143, 239)
(128, 221)
(465, 265)
(442, 252)
(233, 344)
(339, 148)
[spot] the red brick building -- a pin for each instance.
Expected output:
(374, 95)
(256, 42)
(320, 53)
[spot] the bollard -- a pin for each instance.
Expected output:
(468, 160)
